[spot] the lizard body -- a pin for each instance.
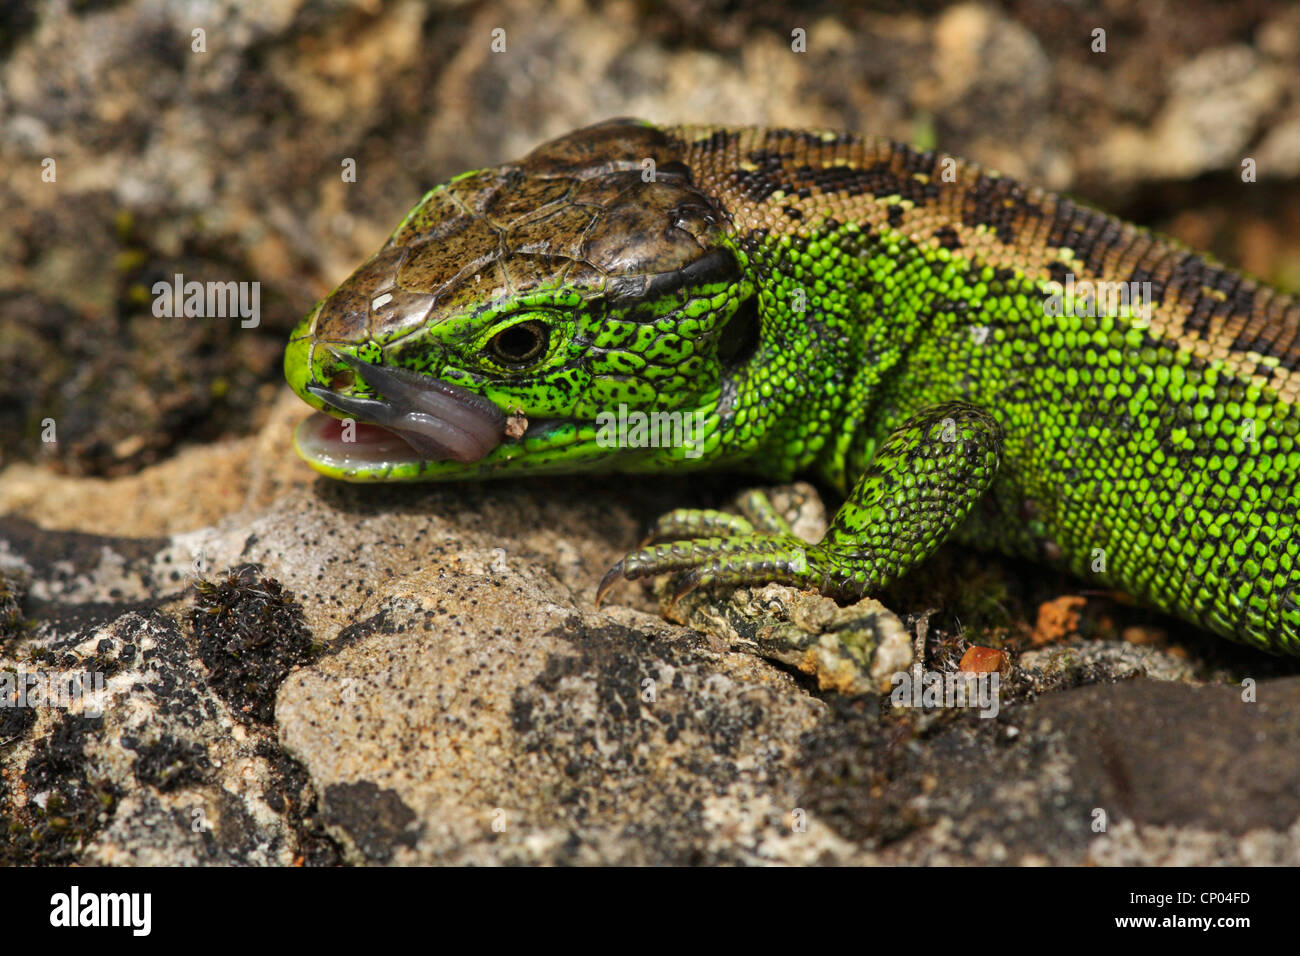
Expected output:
(915, 331)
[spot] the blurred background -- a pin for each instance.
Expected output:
(218, 155)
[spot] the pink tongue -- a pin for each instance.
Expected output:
(436, 440)
(439, 420)
(362, 433)
(324, 436)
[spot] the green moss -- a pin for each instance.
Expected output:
(250, 633)
(78, 800)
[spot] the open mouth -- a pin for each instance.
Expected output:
(414, 417)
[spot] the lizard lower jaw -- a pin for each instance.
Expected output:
(336, 445)
(340, 444)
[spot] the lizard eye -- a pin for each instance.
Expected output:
(520, 344)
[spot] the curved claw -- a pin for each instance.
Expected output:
(608, 581)
(686, 584)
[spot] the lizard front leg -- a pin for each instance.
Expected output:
(920, 486)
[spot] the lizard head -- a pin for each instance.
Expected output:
(517, 312)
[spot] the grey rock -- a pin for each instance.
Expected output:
(436, 685)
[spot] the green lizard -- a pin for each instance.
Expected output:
(918, 333)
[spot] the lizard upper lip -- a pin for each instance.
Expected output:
(440, 421)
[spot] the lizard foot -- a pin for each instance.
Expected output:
(709, 547)
(745, 559)
(920, 485)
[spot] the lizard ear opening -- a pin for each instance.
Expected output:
(738, 340)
